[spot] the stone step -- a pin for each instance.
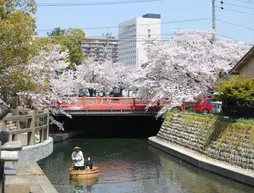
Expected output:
(9, 155)
(13, 183)
(12, 146)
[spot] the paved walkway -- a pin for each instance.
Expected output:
(38, 181)
(199, 160)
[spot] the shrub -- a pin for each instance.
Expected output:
(236, 89)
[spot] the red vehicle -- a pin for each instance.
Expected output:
(203, 106)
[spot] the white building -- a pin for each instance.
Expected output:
(132, 36)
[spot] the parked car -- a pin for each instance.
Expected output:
(84, 92)
(203, 106)
(129, 93)
(115, 93)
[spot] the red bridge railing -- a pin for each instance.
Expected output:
(103, 103)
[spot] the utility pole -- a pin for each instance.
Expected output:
(214, 20)
(108, 37)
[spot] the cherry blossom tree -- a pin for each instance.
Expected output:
(54, 81)
(178, 69)
(43, 69)
(185, 66)
(104, 76)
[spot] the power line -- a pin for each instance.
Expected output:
(112, 38)
(232, 38)
(245, 1)
(232, 4)
(242, 26)
(142, 40)
(162, 23)
(235, 10)
(151, 39)
(93, 3)
(166, 40)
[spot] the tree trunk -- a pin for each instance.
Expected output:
(92, 92)
(4, 110)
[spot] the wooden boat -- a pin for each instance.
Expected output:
(84, 174)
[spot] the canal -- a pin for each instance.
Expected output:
(131, 166)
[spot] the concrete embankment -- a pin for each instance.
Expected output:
(217, 146)
(25, 176)
(33, 153)
(28, 179)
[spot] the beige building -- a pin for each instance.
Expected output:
(245, 65)
(100, 48)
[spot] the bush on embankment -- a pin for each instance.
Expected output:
(231, 142)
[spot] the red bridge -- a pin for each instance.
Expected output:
(106, 106)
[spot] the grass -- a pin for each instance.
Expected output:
(215, 127)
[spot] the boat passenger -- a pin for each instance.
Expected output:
(78, 158)
(89, 164)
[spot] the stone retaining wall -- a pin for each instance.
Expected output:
(57, 137)
(33, 153)
(228, 142)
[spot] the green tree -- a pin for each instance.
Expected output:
(236, 89)
(17, 28)
(70, 39)
(56, 32)
(12, 83)
(10, 6)
(17, 45)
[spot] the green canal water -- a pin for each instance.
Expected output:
(131, 165)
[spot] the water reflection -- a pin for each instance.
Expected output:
(84, 185)
(192, 179)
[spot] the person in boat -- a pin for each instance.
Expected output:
(78, 158)
(89, 164)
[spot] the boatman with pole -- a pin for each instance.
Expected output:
(78, 159)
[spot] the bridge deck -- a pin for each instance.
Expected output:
(106, 106)
(111, 113)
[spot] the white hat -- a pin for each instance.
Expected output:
(76, 148)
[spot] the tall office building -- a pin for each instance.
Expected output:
(132, 36)
(100, 48)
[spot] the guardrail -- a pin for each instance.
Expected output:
(237, 111)
(102, 103)
(32, 123)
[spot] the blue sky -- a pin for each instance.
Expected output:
(170, 10)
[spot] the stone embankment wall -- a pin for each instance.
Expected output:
(221, 140)
(32, 153)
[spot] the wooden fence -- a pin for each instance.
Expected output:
(29, 123)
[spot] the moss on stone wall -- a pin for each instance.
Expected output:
(232, 142)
